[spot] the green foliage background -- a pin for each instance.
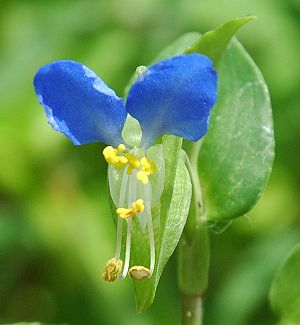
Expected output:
(55, 227)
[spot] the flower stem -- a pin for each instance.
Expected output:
(194, 249)
(191, 310)
(193, 268)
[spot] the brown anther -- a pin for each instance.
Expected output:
(139, 273)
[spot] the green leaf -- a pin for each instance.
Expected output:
(169, 221)
(285, 290)
(238, 151)
(214, 43)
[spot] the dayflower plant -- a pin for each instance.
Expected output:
(174, 96)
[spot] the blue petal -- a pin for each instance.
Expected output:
(174, 96)
(79, 104)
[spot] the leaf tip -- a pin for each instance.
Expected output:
(240, 20)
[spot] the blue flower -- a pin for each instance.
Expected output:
(174, 96)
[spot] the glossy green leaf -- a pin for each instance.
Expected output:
(238, 151)
(285, 290)
(168, 219)
(214, 43)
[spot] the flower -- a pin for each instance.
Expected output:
(174, 96)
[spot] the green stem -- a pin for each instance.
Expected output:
(191, 310)
(193, 269)
(194, 249)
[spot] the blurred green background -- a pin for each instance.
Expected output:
(55, 227)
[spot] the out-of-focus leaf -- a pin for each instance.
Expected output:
(237, 153)
(285, 290)
(168, 221)
(24, 323)
(246, 282)
(214, 43)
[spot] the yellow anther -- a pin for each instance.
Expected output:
(121, 147)
(119, 159)
(139, 272)
(112, 270)
(111, 156)
(137, 207)
(147, 168)
(133, 162)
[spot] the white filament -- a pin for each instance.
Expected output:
(131, 198)
(150, 227)
(120, 220)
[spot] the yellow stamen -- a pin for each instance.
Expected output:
(133, 162)
(137, 207)
(148, 167)
(139, 273)
(112, 156)
(121, 147)
(112, 270)
(119, 159)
